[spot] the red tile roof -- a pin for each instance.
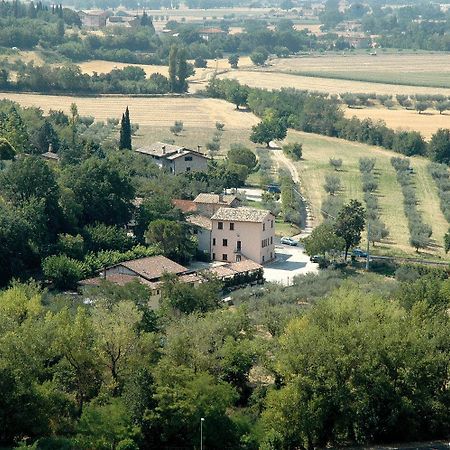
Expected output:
(186, 206)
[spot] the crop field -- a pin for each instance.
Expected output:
(154, 111)
(402, 68)
(317, 150)
(270, 79)
(427, 122)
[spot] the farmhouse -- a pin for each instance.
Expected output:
(207, 33)
(148, 271)
(122, 21)
(94, 19)
(243, 233)
(175, 159)
(208, 204)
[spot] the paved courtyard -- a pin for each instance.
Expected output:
(291, 261)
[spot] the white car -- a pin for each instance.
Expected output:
(289, 241)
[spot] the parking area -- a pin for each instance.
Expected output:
(290, 262)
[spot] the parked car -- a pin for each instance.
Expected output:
(289, 241)
(359, 253)
(273, 189)
(316, 258)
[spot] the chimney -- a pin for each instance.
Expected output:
(50, 148)
(163, 149)
(199, 148)
(220, 198)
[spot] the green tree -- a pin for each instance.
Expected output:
(46, 138)
(125, 131)
(374, 395)
(332, 184)
(350, 223)
(447, 242)
(439, 146)
(173, 68)
(259, 58)
(62, 271)
(233, 60)
(102, 192)
(323, 240)
(173, 238)
(7, 151)
(421, 106)
(293, 151)
(237, 94)
(239, 154)
(336, 163)
(267, 130)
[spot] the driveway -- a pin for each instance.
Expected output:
(290, 262)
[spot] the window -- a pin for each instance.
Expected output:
(214, 241)
(225, 257)
(263, 258)
(188, 158)
(271, 255)
(262, 243)
(271, 224)
(271, 240)
(214, 256)
(157, 291)
(264, 227)
(231, 226)
(195, 231)
(188, 169)
(238, 258)
(220, 225)
(225, 242)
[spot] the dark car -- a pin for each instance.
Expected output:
(316, 258)
(359, 253)
(273, 189)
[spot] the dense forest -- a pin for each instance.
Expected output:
(336, 359)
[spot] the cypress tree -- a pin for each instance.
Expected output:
(125, 131)
(173, 68)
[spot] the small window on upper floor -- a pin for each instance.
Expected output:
(188, 158)
(231, 226)
(264, 227)
(220, 225)
(271, 224)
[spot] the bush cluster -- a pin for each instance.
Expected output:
(419, 231)
(293, 151)
(265, 167)
(440, 175)
(377, 229)
(292, 205)
(333, 203)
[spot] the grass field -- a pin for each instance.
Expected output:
(427, 123)
(386, 73)
(317, 150)
(160, 111)
(270, 79)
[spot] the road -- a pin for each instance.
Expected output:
(290, 262)
(282, 160)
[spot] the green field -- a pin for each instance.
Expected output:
(427, 79)
(317, 150)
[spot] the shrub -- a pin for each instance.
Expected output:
(293, 151)
(332, 184)
(63, 272)
(366, 164)
(177, 127)
(335, 163)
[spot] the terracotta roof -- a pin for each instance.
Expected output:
(186, 152)
(222, 271)
(200, 221)
(159, 149)
(186, 206)
(217, 199)
(190, 278)
(153, 267)
(116, 278)
(241, 214)
(245, 265)
(212, 31)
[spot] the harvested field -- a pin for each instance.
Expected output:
(317, 150)
(427, 123)
(161, 111)
(101, 66)
(270, 79)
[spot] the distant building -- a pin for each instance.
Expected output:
(122, 21)
(243, 233)
(94, 19)
(51, 156)
(207, 33)
(208, 204)
(174, 158)
(148, 271)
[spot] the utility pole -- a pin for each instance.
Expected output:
(368, 244)
(201, 432)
